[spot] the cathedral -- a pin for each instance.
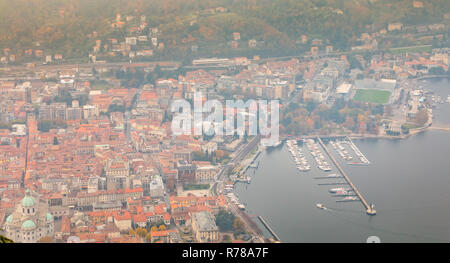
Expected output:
(30, 220)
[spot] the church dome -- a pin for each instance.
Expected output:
(28, 224)
(49, 217)
(28, 200)
(9, 219)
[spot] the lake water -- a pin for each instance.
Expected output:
(407, 180)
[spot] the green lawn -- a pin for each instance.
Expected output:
(412, 49)
(373, 96)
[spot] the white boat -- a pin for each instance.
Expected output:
(304, 168)
(324, 167)
(342, 192)
(335, 190)
(320, 206)
(327, 168)
(333, 175)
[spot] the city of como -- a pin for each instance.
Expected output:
(245, 124)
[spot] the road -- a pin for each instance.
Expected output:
(248, 222)
(240, 154)
(238, 157)
(23, 72)
(105, 65)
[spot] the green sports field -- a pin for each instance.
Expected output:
(373, 96)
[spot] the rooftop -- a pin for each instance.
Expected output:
(205, 221)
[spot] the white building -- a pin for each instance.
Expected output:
(206, 174)
(130, 40)
(90, 111)
(30, 221)
(204, 227)
(156, 187)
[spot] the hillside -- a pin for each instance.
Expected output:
(72, 26)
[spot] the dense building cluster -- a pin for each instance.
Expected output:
(100, 163)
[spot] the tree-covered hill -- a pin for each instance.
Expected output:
(72, 26)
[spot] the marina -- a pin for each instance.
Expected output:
(314, 146)
(299, 157)
(360, 155)
(369, 208)
(404, 214)
(319, 157)
(342, 148)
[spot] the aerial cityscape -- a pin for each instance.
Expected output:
(223, 121)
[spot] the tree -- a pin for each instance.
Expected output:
(153, 229)
(116, 108)
(55, 141)
(162, 227)
(405, 129)
(311, 106)
(64, 97)
(142, 232)
(226, 238)
(436, 71)
(238, 226)
(354, 63)
(225, 220)
(158, 72)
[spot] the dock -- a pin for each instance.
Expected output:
(358, 152)
(277, 238)
(343, 183)
(345, 195)
(327, 177)
(344, 201)
(369, 208)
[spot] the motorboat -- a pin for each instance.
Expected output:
(321, 206)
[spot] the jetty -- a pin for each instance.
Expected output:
(369, 208)
(276, 237)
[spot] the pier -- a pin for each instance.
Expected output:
(358, 152)
(333, 183)
(277, 238)
(369, 209)
(344, 195)
(328, 177)
(440, 128)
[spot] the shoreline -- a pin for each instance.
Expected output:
(365, 136)
(412, 132)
